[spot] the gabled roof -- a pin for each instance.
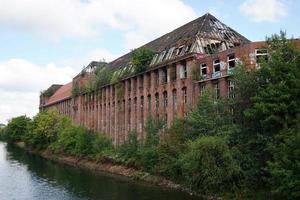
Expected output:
(63, 92)
(206, 27)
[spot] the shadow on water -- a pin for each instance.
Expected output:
(75, 183)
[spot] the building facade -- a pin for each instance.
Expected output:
(199, 55)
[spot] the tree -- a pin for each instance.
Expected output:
(46, 127)
(17, 128)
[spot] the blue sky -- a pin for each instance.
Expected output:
(49, 41)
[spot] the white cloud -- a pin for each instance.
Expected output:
(21, 82)
(76, 18)
(99, 54)
(264, 11)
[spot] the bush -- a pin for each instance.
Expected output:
(172, 145)
(128, 151)
(141, 58)
(80, 141)
(208, 165)
(17, 128)
(46, 127)
(101, 146)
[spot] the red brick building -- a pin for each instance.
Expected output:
(195, 56)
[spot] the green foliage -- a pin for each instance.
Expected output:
(143, 154)
(141, 58)
(266, 110)
(285, 166)
(209, 166)
(76, 89)
(128, 151)
(210, 117)
(172, 144)
(45, 129)
(16, 129)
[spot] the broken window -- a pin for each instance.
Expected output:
(231, 61)
(217, 65)
(179, 51)
(216, 90)
(164, 75)
(169, 54)
(161, 56)
(216, 69)
(230, 85)
(183, 70)
(173, 72)
(184, 95)
(261, 56)
(165, 96)
(129, 85)
(174, 99)
(203, 70)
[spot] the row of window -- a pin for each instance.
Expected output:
(217, 67)
(132, 83)
(216, 89)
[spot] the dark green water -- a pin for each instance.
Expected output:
(29, 177)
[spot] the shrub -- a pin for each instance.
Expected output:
(208, 165)
(128, 151)
(141, 58)
(172, 145)
(101, 146)
(46, 127)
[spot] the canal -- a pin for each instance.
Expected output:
(29, 177)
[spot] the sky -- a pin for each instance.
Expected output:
(49, 41)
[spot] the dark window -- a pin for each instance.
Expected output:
(164, 75)
(165, 96)
(231, 61)
(217, 66)
(184, 95)
(174, 98)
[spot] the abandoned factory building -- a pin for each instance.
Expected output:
(198, 55)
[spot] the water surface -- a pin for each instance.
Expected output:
(30, 177)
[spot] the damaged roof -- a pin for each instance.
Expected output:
(205, 34)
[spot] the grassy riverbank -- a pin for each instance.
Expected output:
(230, 148)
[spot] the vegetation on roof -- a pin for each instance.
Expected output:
(103, 74)
(50, 91)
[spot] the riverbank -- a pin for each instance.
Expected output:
(110, 166)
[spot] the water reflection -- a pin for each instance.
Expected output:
(24, 176)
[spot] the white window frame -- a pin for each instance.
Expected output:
(216, 64)
(203, 66)
(266, 53)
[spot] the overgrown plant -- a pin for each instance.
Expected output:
(141, 59)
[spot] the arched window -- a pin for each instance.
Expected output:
(184, 95)
(165, 96)
(174, 99)
(149, 103)
(156, 102)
